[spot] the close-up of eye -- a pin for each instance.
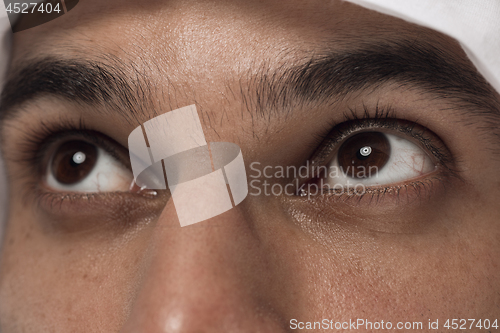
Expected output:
(377, 158)
(79, 166)
(376, 154)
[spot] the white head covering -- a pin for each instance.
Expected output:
(475, 24)
(5, 34)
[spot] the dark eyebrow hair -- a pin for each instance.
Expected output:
(321, 78)
(404, 63)
(113, 83)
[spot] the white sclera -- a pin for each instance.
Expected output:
(107, 175)
(407, 161)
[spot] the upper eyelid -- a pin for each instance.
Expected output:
(104, 142)
(38, 146)
(338, 134)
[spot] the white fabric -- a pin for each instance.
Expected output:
(5, 35)
(474, 23)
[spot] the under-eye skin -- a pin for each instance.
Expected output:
(407, 200)
(80, 179)
(376, 157)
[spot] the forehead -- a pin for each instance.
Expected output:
(210, 37)
(211, 52)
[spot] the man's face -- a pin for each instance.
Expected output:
(294, 84)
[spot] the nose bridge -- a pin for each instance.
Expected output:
(204, 180)
(201, 278)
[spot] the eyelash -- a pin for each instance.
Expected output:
(33, 152)
(383, 118)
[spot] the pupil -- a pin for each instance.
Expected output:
(73, 162)
(364, 154)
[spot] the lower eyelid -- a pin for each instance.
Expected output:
(77, 212)
(378, 210)
(107, 175)
(403, 188)
(410, 189)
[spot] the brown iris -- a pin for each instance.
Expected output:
(363, 154)
(73, 161)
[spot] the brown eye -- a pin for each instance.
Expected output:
(364, 152)
(73, 161)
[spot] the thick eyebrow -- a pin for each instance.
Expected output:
(412, 64)
(322, 78)
(120, 87)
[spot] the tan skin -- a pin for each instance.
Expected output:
(93, 266)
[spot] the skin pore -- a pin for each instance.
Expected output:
(425, 247)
